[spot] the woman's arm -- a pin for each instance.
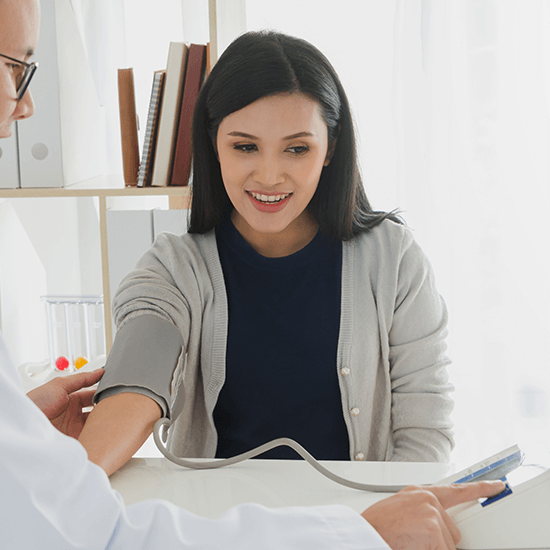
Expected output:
(421, 405)
(153, 313)
(117, 427)
(135, 391)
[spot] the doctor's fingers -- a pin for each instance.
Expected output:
(452, 495)
(435, 517)
(75, 382)
(413, 519)
(85, 398)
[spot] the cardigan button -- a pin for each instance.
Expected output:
(359, 456)
(355, 411)
(344, 371)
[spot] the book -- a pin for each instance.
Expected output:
(128, 126)
(151, 131)
(194, 77)
(169, 114)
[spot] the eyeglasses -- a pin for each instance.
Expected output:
(23, 75)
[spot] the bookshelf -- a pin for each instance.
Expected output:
(101, 188)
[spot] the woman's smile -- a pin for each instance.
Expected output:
(268, 198)
(269, 203)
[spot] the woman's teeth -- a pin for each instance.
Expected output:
(271, 198)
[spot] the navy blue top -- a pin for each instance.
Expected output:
(281, 371)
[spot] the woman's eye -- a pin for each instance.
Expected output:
(298, 150)
(245, 148)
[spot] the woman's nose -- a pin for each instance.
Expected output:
(269, 171)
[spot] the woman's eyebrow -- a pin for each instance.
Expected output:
(300, 134)
(250, 136)
(242, 134)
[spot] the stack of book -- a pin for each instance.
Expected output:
(166, 154)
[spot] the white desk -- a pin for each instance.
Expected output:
(273, 483)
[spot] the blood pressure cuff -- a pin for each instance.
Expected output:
(142, 360)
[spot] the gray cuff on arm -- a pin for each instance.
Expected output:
(144, 356)
(134, 389)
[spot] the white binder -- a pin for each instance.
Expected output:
(59, 145)
(129, 236)
(170, 221)
(9, 161)
(40, 135)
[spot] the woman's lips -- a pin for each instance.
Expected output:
(269, 203)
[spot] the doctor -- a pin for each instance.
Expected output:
(52, 497)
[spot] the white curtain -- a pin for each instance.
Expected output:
(474, 176)
(101, 26)
(452, 99)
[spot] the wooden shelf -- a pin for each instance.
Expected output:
(102, 186)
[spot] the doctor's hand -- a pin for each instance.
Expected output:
(60, 400)
(415, 518)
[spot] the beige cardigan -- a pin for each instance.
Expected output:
(171, 311)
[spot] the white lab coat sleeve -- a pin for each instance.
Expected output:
(158, 524)
(53, 498)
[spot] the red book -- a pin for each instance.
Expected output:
(196, 63)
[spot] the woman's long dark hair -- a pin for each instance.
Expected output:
(261, 64)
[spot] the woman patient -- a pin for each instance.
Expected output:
(290, 308)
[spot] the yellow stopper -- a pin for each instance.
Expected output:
(80, 362)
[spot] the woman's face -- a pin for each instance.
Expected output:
(271, 154)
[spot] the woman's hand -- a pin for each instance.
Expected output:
(415, 518)
(62, 402)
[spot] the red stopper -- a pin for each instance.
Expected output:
(62, 363)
